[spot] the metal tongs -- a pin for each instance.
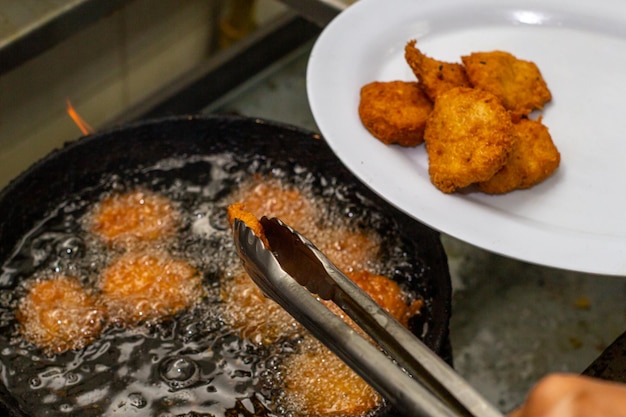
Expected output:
(405, 372)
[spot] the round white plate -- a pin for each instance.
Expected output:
(576, 219)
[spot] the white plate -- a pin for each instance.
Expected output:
(576, 219)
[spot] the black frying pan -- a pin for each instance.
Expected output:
(80, 166)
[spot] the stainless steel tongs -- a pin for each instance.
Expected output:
(407, 374)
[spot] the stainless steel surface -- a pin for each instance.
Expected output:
(30, 27)
(321, 12)
(226, 70)
(431, 387)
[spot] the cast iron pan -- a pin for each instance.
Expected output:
(80, 166)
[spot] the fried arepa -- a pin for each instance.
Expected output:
(533, 159)
(395, 111)
(468, 138)
(517, 83)
(435, 77)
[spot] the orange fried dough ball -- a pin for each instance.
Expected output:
(58, 314)
(517, 83)
(147, 286)
(136, 216)
(468, 138)
(395, 111)
(533, 159)
(434, 76)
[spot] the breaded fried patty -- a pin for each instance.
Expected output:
(395, 111)
(468, 138)
(434, 77)
(257, 317)
(58, 314)
(533, 159)
(272, 199)
(136, 216)
(318, 383)
(517, 83)
(147, 286)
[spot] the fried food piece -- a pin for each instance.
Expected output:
(318, 383)
(435, 77)
(395, 111)
(238, 211)
(349, 250)
(257, 317)
(272, 199)
(517, 83)
(388, 294)
(58, 314)
(148, 286)
(468, 138)
(137, 216)
(533, 159)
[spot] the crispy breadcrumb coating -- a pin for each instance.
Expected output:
(533, 159)
(517, 83)
(435, 77)
(468, 138)
(395, 111)
(58, 314)
(125, 219)
(147, 286)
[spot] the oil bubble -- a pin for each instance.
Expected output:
(179, 372)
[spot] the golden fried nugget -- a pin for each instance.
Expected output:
(58, 314)
(517, 83)
(136, 216)
(434, 76)
(148, 286)
(533, 159)
(468, 138)
(395, 111)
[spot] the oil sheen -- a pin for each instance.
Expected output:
(192, 364)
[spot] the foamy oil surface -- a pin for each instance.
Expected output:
(193, 364)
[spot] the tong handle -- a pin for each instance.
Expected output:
(395, 385)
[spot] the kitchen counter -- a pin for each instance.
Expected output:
(512, 322)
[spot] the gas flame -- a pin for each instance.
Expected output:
(84, 127)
